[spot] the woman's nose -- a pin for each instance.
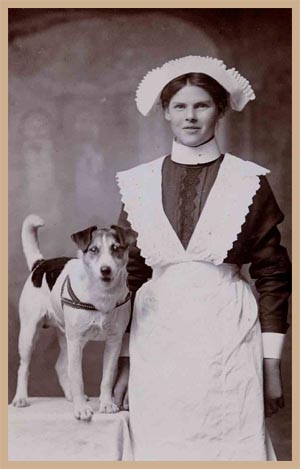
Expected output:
(190, 114)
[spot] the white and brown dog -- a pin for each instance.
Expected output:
(86, 298)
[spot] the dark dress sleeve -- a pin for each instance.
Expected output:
(138, 271)
(269, 262)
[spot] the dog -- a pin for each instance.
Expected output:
(85, 298)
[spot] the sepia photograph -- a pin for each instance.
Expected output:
(150, 234)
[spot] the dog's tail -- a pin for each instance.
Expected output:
(30, 243)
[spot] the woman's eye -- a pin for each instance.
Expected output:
(179, 106)
(201, 106)
(94, 249)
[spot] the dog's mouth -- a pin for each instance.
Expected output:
(106, 278)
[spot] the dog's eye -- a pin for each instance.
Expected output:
(94, 250)
(115, 247)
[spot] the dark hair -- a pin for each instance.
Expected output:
(216, 91)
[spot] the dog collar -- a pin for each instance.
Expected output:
(75, 302)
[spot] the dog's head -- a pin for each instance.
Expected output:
(104, 252)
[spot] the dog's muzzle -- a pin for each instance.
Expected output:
(105, 271)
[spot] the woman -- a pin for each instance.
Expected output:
(201, 371)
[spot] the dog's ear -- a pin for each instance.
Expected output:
(84, 237)
(126, 236)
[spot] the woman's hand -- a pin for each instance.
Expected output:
(121, 384)
(273, 395)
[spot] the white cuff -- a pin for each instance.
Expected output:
(125, 346)
(272, 344)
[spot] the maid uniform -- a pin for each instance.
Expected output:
(198, 335)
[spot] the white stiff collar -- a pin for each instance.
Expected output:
(204, 153)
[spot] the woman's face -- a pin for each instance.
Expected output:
(193, 115)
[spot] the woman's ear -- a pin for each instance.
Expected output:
(167, 114)
(222, 112)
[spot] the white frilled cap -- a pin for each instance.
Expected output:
(150, 88)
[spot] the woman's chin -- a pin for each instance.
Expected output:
(190, 141)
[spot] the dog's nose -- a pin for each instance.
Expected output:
(105, 270)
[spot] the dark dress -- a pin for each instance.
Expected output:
(185, 189)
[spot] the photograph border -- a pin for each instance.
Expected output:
(4, 6)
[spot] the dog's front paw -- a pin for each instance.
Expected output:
(83, 412)
(108, 407)
(20, 402)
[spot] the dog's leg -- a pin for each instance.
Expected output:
(111, 354)
(61, 365)
(27, 340)
(82, 411)
(126, 401)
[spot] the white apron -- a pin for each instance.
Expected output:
(196, 385)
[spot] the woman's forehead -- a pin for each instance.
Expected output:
(191, 93)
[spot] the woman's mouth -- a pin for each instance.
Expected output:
(191, 129)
